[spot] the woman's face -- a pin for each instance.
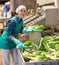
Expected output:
(21, 13)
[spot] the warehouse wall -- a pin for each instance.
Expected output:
(42, 2)
(28, 3)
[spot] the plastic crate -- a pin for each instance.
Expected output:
(36, 37)
(22, 61)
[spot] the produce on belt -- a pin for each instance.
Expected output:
(34, 28)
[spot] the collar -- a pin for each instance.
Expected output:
(18, 19)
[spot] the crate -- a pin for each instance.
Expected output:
(51, 16)
(3, 22)
(24, 37)
(36, 37)
(22, 62)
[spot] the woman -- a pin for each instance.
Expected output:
(8, 39)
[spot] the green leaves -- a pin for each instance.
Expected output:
(34, 28)
(48, 49)
(39, 28)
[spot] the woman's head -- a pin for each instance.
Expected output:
(21, 11)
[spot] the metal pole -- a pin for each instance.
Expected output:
(12, 5)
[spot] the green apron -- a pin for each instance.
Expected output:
(5, 41)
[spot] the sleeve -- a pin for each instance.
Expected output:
(11, 27)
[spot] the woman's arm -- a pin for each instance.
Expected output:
(12, 37)
(11, 27)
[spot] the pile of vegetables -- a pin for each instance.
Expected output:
(48, 49)
(34, 28)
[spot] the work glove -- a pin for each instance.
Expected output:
(20, 46)
(27, 31)
(18, 43)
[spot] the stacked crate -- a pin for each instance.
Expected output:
(3, 22)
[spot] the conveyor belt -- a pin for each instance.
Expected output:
(39, 21)
(31, 18)
(28, 17)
